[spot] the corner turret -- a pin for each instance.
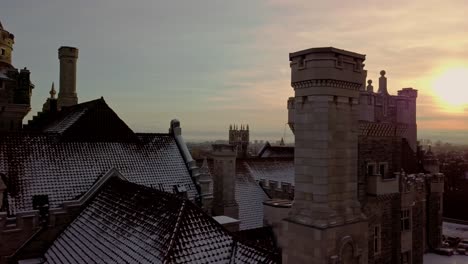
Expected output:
(6, 47)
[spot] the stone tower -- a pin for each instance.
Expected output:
(67, 93)
(326, 224)
(15, 86)
(239, 137)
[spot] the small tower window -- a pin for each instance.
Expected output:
(3, 52)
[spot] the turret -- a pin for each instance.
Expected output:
(6, 47)
(326, 213)
(67, 95)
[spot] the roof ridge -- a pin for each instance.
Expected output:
(175, 233)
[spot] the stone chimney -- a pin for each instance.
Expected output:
(67, 94)
(206, 189)
(224, 168)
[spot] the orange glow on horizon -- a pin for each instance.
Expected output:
(450, 88)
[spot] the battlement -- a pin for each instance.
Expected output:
(329, 67)
(67, 52)
(409, 92)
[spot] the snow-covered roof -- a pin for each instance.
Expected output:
(222, 219)
(271, 169)
(129, 223)
(249, 195)
(43, 164)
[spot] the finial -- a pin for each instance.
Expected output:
(370, 88)
(382, 83)
(282, 142)
(52, 92)
(247, 126)
(230, 127)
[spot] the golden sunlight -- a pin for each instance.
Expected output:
(451, 88)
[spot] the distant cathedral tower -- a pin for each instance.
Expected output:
(67, 93)
(240, 139)
(15, 86)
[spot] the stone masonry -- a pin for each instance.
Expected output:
(326, 224)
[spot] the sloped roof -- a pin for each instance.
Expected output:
(269, 151)
(248, 193)
(89, 121)
(43, 164)
(274, 169)
(128, 223)
(250, 197)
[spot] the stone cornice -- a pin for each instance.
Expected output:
(326, 83)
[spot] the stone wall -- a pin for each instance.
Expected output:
(376, 149)
(417, 228)
(384, 211)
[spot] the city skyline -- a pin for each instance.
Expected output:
(212, 69)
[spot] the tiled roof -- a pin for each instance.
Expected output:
(250, 197)
(42, 164)
(128, 223)
(89, 121)
(271, 169)
(269, 151)
(381, 129)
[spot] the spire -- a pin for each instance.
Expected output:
(230, 127)
(204, 169)
(282, 142)
(247, 126)
(52, 91)
(1, 26)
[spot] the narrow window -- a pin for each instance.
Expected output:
(377, 240)
(3, 52)
(405, 220)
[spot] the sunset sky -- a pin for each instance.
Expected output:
(212, 63)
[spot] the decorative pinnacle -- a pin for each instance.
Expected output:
(52, 92)
(382, 73)
(369, 82)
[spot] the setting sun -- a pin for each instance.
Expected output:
(450, 87)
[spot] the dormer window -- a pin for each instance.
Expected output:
(180, 191)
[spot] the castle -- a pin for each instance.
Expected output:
(16, 87)
(356, 189)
